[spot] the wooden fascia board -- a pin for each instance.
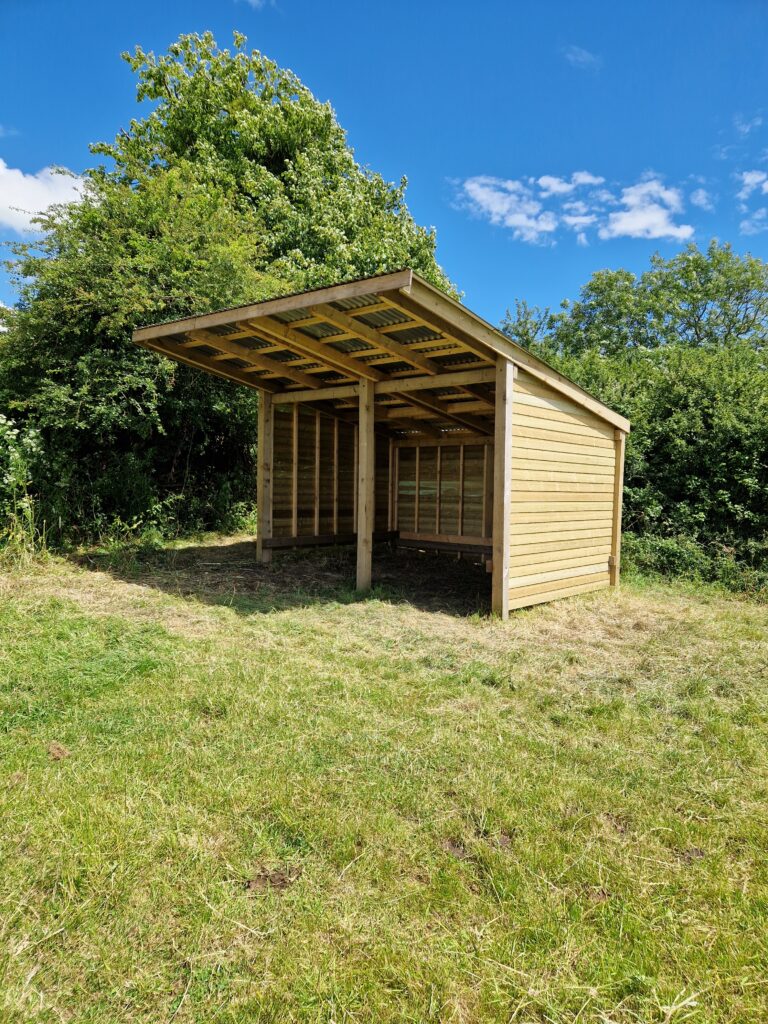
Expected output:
(398, 281)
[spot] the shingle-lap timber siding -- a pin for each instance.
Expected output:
(563, 463)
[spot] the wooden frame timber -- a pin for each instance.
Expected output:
(388, 409)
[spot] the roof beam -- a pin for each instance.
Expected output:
(435, 406)
(301, 343)
(453, 319)
(255, 358)
(373, 337)
(459, 378)
(182, 355)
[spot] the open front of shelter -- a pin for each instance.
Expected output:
(389, 411)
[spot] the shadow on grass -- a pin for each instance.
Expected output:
(226, 573)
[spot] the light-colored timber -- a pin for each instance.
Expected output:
(389, 410)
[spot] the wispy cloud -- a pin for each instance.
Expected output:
(578, 57)
(552, 186)
(258, 5)
(745, 125)
(6, 132)
(703, 199)
(535, 209)
(23, 195)
(754, 188)
(750, 182)
(511, 204)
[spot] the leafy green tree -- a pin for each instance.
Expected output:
(680, 351)
(237, 185)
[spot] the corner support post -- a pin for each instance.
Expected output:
(502, 486)
(614, 563)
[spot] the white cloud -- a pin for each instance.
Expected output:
(755, 223)
(701, 198)
(537, 209)
(578, 57)
(552, 186)
(744, 125)
(259, 5)
(6, 132)
(585, 178)
(751, 180)
(510, 204)
(648, 211)
(23, 195)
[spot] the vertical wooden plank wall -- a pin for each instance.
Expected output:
(565, 477)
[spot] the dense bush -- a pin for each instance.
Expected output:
(680, 351)
(236, 186)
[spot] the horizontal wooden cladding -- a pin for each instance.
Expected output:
(580, 472)
(557, 560)
(539, 596)
(537, 489)
(557, 539)
(553, 439)
(541, 517)
(526, 579)
(553, 459)
(573, 429)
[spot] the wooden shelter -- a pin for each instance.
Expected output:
(389, 410)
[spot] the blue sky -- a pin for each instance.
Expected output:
(544, 141)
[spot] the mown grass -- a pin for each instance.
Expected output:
(241, 795)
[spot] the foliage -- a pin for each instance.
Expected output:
(237, 185)
(20, 533)
(680, 351)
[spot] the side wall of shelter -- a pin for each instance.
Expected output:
(563, 464)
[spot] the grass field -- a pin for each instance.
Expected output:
(232, 793)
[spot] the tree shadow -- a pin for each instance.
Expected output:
(226, 572)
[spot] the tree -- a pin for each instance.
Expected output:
(680, 351)
(237, 185)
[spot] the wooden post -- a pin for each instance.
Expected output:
(264, 459)
(295, 474)
(502, 485)
(614, 563)
(316, 509)
(366, 471)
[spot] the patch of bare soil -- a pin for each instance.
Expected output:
(278, 879)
